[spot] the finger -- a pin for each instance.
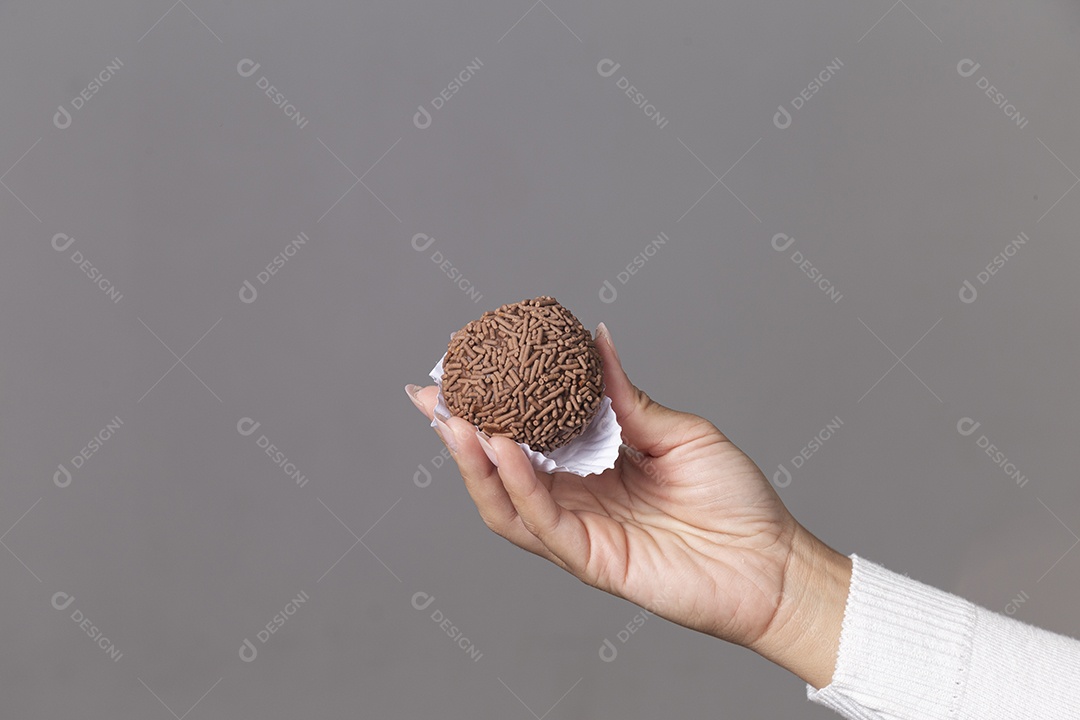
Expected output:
(486, 489)
(647, 425)
(481, 478)
(560, 530)
(424, 398)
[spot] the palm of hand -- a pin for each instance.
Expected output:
(695, 535)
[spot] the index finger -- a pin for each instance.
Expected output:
(481, 477)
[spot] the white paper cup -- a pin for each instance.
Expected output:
(593, 451)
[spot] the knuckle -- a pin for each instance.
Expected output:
(698, 426)
(640, 406)
(494, 526)
(642, 402)
(540, 527)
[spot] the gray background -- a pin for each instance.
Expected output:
(180, 180)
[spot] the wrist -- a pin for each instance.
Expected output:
(804, 633)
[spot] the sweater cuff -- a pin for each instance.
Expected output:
(905, 649)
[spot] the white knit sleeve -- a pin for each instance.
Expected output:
(909, 651)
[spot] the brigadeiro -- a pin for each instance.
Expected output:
(528, 371)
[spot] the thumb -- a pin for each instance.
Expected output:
(647, 426)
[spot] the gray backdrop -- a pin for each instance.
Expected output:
(832, 182)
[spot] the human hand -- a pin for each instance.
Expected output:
(685, 525)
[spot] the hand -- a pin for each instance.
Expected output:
(685, 525)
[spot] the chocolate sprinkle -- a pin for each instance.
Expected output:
(528, 371)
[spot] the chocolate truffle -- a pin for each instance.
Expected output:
(528, 371)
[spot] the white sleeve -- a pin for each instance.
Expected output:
(909, 651)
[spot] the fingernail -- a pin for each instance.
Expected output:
(446, 434)
(483, 437)
(412, 390)
(602, 330)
